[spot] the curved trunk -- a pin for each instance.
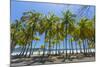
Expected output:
(13, 44)
(22, 50)
(30, 52)
(27, 50)
(22, 54)
(34, 48)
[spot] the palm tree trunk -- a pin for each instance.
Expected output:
(27, 50)
(13, 44)
(72, 47)
(49, 48)
(63, 46)
(56, 48)
(76, 47)
(59, 48)
(83, 46)
(69, 47)
(31, 48)
(34, 48)
(30, 52)
(44, 44)
(88, 46)
(66, 46)
(80, 48)
(22, 50)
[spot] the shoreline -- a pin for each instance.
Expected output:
(40, 59)
(30, 61)
(53, 51)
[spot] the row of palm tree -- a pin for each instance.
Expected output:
(57, 31)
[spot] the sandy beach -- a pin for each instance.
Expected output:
(31, 61)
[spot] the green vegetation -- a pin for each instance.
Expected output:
(57, 31)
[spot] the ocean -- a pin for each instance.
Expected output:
(53, 51)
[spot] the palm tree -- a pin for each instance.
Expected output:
(44, 26)
(80, 46)
(52, 20)
(15, 30)
(86, 31)
(75, 35)
(36, 39)
(82, 32)
(13, 41)
(68, 17)
(31, 19)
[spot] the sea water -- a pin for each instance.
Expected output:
(40, 52)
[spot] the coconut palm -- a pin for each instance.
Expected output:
(15, 29)
(68, 17)
(52, 20)
(31, 19)
(86, 31)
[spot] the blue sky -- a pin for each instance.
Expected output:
(18, 7)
